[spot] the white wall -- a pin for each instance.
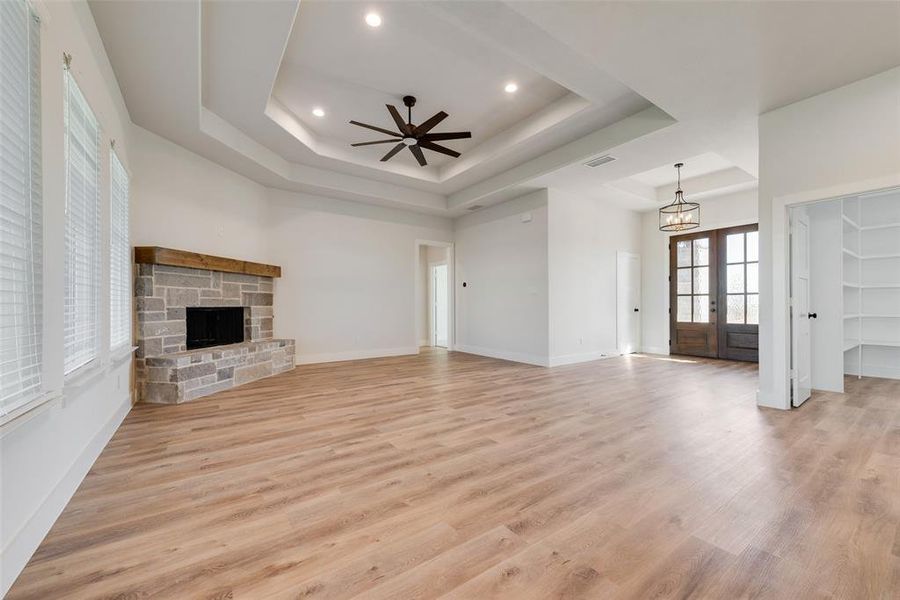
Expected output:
(46, 453)
(348, 285)
(503, 310)
(584, 236)
(841, 142)
(181, 200)
(728, 210)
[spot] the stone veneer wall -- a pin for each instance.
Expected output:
(162, 293)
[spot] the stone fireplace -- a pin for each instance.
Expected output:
(229, 301)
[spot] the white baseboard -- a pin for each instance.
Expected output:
(309, 359)
(521, 357)
(17, 552)
(768, 400)
(883, 371)
(571, 359)
(655, 350)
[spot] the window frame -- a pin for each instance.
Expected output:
(85, 357)
(30, 217)
(120, 292)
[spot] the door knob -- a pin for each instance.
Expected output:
(812, 315)
(637, 310)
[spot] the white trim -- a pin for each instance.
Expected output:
(310, 359)
(24, 413)
(571, 359)
(655, 350)
(22, 544)
(519, 357)
(423, 343)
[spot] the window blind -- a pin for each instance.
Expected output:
(119, 256)
(20, 207)
(82, 292)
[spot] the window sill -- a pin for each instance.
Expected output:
(119, 355)
(28, 411)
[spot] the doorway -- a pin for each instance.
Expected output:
(711, 272)
(434, 294)
(628, 302)
(437, 291)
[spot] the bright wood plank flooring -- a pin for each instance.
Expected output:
(451, 475)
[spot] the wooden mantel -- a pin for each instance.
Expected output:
(154, 255)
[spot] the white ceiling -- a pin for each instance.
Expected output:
(588, 73)
(694, 166)
(354, 73)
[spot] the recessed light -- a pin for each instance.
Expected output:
(373, 19)
(511, 88)
(318, 112)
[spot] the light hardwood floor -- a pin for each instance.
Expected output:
(465, 477)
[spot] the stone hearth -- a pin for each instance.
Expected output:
(169, 373)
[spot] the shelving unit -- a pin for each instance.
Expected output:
(851, 275)
(871, 284)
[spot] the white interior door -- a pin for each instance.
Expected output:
(440, 305)
(628, 302)
(801, 350)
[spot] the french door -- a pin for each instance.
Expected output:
(714, 293)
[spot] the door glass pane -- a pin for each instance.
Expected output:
(701, 252)
(735, 308)
(734, 245)
(683, 250)
(701, 309)
(701, 280)
(753, 309)
(753, 246)
(735, 279)
(684, 309)
(684, 281)
(753, 277)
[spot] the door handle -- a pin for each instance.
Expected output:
(812, 315)
(637, 310)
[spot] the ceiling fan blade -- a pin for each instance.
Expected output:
(392, 152)
(378, 129)
(401, 125)
(417, 152)
(378, 142)
(427, 125)
(455, 135)
(436, 148)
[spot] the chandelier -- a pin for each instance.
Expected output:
(680, 215)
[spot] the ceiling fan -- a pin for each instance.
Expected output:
(414, 137)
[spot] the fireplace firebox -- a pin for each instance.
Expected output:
(214, 326)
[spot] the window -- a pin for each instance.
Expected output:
(82, 291)
(742, 277)
(20, 207)
(119, 256)
(692, 261)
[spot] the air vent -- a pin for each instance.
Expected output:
(600, 160)
(475, 207)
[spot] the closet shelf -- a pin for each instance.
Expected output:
(851, 285)
(876, 256)
(856, 316)
(850, 344)
(878, 286)
(881, 343)
(850, 252)
(883, 226)
(850, 221)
